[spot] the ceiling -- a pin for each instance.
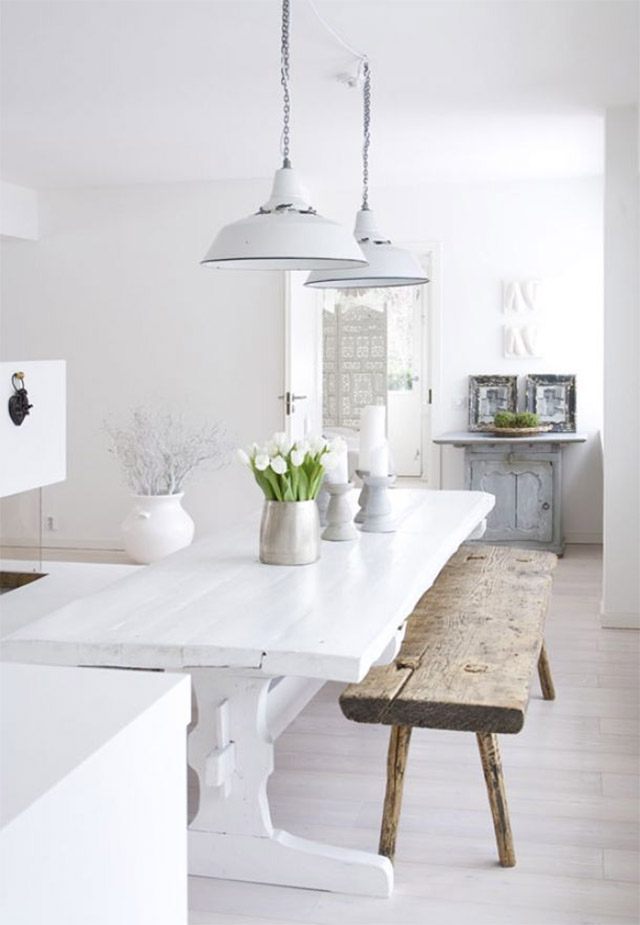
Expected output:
(130, 91)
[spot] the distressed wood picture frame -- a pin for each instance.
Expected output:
(488, 395)
(553, 398)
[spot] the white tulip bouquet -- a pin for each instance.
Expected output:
(287, 471)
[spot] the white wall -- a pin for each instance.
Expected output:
(18, 211)
(114, 285)
(490, 232)
(621, 593)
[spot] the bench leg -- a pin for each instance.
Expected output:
(396, 766)
(492, 768)
(544, 673)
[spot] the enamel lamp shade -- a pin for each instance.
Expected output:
(285, 234)
(386, 265)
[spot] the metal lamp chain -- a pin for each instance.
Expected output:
(367, 134)
(284, 80)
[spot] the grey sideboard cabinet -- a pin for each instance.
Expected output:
(525, 475)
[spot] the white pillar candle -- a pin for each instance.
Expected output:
(372, 433)
(343, 468)
(380, 460)
(339, 475)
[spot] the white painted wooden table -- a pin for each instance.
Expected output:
(259, 641)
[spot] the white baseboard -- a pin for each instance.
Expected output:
(66, 553)
(49, 540)
(590, 539)
(623, 621)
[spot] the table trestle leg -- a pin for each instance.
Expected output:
(231, 834)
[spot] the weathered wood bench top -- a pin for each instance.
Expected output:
(470, 649)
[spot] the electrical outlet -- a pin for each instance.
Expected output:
(50, 523)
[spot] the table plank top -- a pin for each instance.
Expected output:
(214, 604)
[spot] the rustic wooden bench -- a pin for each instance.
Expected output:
(470, 650)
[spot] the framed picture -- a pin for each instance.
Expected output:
(553, 399)
(488, 395)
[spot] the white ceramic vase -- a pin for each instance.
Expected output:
(156, 526)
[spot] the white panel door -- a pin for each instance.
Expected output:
(302, 396)
(405, 381)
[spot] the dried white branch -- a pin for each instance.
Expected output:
(159, 452)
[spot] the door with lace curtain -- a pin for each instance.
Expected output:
(347, 349)
(372, 355)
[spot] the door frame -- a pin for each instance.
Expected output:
(429, 254)
(289, 385)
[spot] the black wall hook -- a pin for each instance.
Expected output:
(19, 406)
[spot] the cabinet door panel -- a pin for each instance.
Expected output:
(496, 480)
(524, 497)
(534, 509)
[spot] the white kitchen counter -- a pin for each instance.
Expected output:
(92, 796)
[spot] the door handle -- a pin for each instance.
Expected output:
(289, 402)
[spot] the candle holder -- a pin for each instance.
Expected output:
(362, 474)
(322, 500)
(339, 523)
(377, 515)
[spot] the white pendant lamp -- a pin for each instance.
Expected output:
(286, 233)
(387, 265)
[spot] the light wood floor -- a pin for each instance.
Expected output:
(572, 783)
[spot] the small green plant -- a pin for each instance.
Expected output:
(504, 419)
(527, 419)
(512, 419)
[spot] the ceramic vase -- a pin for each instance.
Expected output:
(289, 533)
(156, 526)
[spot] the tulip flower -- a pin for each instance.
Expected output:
(279, 465)
(287, 471)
